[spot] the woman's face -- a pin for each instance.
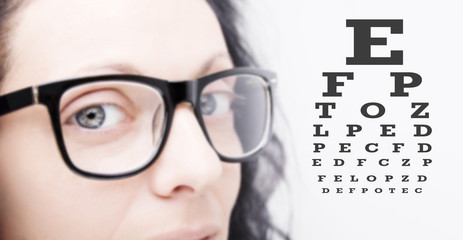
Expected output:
(188, 193)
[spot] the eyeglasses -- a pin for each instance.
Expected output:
(115, 126)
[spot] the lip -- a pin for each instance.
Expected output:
(203, 232)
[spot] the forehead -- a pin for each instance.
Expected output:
(56, 39)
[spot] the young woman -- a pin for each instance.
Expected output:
(125, 119)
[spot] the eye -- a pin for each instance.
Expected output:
(215, 103)
(98, 116)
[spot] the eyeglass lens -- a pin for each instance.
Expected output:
(114, 127)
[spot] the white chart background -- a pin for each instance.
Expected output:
(300, 40)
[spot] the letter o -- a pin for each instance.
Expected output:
(381, 110)
(371, 178)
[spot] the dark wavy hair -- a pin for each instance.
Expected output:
(250, 218)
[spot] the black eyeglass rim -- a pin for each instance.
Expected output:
(173, 93)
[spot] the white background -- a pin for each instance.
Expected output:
(300, 40)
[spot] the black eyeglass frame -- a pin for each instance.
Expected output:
(173, 93)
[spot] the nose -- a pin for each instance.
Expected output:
(188, 164)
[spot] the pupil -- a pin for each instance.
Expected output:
(208, 104)
(91, 117)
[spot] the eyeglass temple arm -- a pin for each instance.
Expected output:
(18, 99)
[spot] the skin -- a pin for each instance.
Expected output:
(187, 194)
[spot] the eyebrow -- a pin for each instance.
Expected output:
(126, 68)
(209, 64)
(117, 67)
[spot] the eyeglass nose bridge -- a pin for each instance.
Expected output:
(184, 91)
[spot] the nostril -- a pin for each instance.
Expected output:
(182, 188)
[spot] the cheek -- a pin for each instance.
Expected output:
(229, 186)
(224, 137)
(227, 191)
(40, 197)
